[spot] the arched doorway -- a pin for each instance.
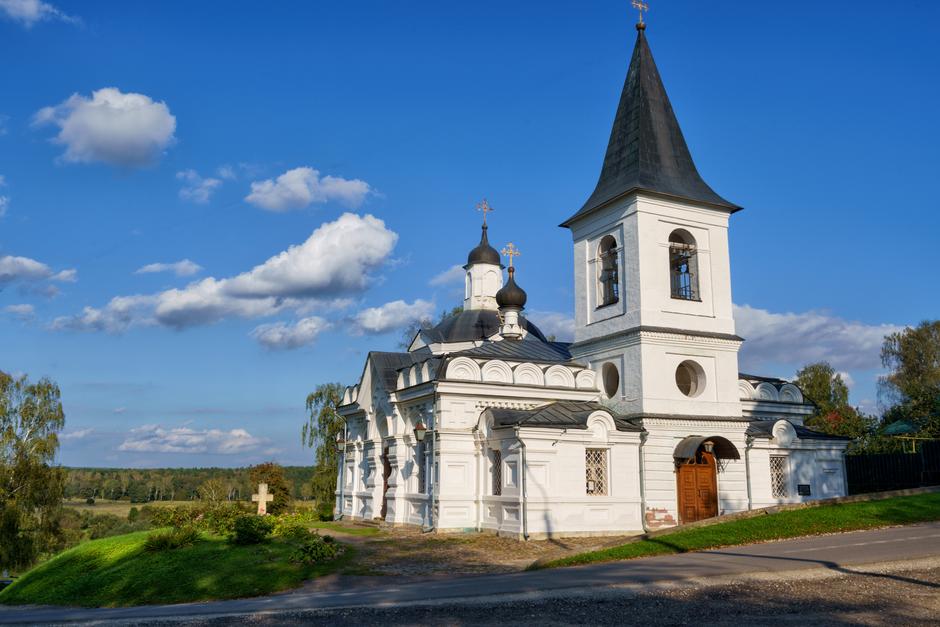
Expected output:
(697, 475)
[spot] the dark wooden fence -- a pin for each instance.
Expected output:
(894, 471)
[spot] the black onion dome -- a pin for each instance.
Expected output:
(484, 253)
(511, 295)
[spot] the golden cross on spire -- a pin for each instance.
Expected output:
(640, 6)
(485, 208)
(510, 251)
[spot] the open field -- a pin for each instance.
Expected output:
(824, 519)
(118, 508)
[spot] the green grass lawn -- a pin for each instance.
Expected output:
(118, 571)
(903, 510)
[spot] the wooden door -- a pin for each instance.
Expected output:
(697, 486)
(386, 473)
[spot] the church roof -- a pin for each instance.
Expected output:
(388, 364)
(525, 350)
(559, 415)
(472, 325)
(765, 429)
(647, 151)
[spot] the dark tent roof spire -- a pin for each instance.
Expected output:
(647, 151)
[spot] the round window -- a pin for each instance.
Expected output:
(690, 378)
(611, 380)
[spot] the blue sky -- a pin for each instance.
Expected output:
(362, 134)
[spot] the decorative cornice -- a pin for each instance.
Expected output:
(643, 330)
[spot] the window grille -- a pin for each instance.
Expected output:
(778, 477)
(595, 467)
(682, 266)
(497, 473)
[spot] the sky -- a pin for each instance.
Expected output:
(207, 209)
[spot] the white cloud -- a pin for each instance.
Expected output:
(553, 323)
(4, 205)
(300, 187)
(120, 410)
(23, 311)
(334, 261)
(3, 124)
(65, 276)
(179, 268)
(29, 12)
(117, 128)
(119, 314)
(283, 336)
(22, 269)
(802, 338)
(454, 274)
(197, 189)
(847, 379)
(157, 439)
(76, 435)
(226, 172)
(391, 316)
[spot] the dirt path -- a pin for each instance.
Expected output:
(412, 553)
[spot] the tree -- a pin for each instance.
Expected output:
(31, 489)
(273, 475)
(323, 425)
(824, 386)
(213, 491)
(911, 389)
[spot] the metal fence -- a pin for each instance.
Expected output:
(894, 471)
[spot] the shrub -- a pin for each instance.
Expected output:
(179, 516)
(294, 526)
(133, 515)
(220, 518)
(169, 539)
(316, 549)
(89, 501)
(251, 529)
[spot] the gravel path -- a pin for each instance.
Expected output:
(889, 595)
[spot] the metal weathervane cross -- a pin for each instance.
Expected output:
(511, 251)
(485, 208)
(640, 6)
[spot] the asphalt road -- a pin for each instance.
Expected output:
(833, 552)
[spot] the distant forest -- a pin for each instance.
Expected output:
(172, 484)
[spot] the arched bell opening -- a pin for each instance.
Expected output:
(697, 461)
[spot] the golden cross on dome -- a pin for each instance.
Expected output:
(511, 251)
(640, 6)
(485, 208)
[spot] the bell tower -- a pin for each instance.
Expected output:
(653, 312)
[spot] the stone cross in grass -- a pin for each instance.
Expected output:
(263, 499)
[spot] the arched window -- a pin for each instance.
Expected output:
(683, 265)
(608, 273)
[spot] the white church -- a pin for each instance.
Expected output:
(643, 422)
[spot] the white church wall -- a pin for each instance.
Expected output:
(718, 393)
(660, 469)
(816, 464)
(657, 218)
(591, 321)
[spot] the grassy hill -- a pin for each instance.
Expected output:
(118, 571)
